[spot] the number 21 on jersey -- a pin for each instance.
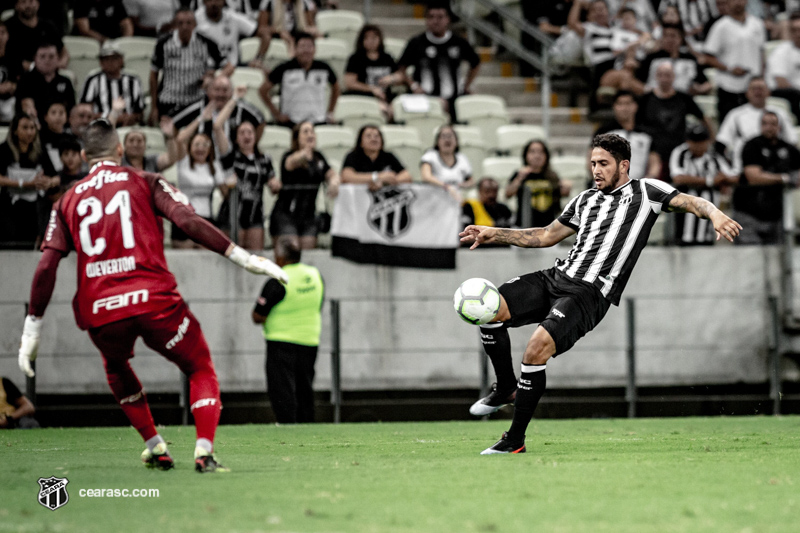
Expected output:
(92, 209)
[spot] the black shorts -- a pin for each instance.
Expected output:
(251, 214)
(568, 309)
(282, 223)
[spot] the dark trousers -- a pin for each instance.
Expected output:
(290, 374)
(727, 101)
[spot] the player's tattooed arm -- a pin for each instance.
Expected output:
(524, 238)
(724, 225)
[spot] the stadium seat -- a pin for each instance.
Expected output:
(250, 77)
(426, 119)
(770, 47)
(711, 74)
(341, 24)
(248, 48)
(404, 143)
(171, 174)
(487, 112)
(83, 52)
(782, 104)
(140, 66)
(154, 137)
(708, 105)
(3, 133)
(356, 111)
(277, 53)
(470, 143)
(6, 14)
(394, 47)
(501, 169)
(136, 46)
(571, 168)
(513, 137)
(74, 79)
(335, 53)
(335, 142)
(275, 141)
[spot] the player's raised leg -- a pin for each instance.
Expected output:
(497, 346)
(115, 342)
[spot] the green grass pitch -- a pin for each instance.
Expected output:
(648, 475)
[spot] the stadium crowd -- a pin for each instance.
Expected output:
(259, 98)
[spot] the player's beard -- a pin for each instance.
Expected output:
(612, 183)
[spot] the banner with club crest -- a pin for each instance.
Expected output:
(410, 225)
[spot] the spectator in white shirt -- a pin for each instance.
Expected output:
(444, 166)
(733, 47)
(226, 27)
(783, 67)
(744, 122)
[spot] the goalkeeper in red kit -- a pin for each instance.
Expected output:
(112, 219)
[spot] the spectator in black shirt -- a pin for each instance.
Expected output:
(26, 31)
(546, 189)
(370, 70)
(253, 171)
(9, 74)
(16, 411)
(689, 76)
(770, 164)
(369, 164)
(486, 210)
(101, 19)
(26, 170)
(303, 81)
(664, 111)
(303, 170)
(53, 132)
(43, 85)
(436, 56)
(71, 165)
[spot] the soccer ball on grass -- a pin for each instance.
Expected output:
(477, 301)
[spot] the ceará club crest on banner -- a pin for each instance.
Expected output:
(390, 212)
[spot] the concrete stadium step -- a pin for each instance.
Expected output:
(568, 145)
(399, 27)
(558, 115)
(393, 9)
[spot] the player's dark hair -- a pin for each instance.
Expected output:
(365, 29)
(295, 146)
(360, 135)
(100, 139)
(303, 35)
(46, 43)
(618, 147)
(439, 132)
(292, 250)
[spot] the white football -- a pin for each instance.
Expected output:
(477, 301)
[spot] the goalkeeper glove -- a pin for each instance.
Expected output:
(257, 264)
(29, 344)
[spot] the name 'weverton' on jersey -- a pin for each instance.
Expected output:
(612, 230)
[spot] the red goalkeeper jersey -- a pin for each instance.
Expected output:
(112, 219)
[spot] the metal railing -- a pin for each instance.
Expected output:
(466, 9)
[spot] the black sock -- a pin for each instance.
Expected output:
(497, 345)
(532, 383)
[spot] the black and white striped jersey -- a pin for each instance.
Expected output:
(597, 43)
(184, 66)
(101, 91)
(612, 230)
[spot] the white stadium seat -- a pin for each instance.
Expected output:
(513, 137)
(335, 142)
(83, 52)
(356, 111)
(470, 143)
(275, 141)
(487, 112)
(335, 53)
(501, 169)
(404, 143)
(422, 112)
(136, 46)
(248, 48)
(394, 47)
(340, 24)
